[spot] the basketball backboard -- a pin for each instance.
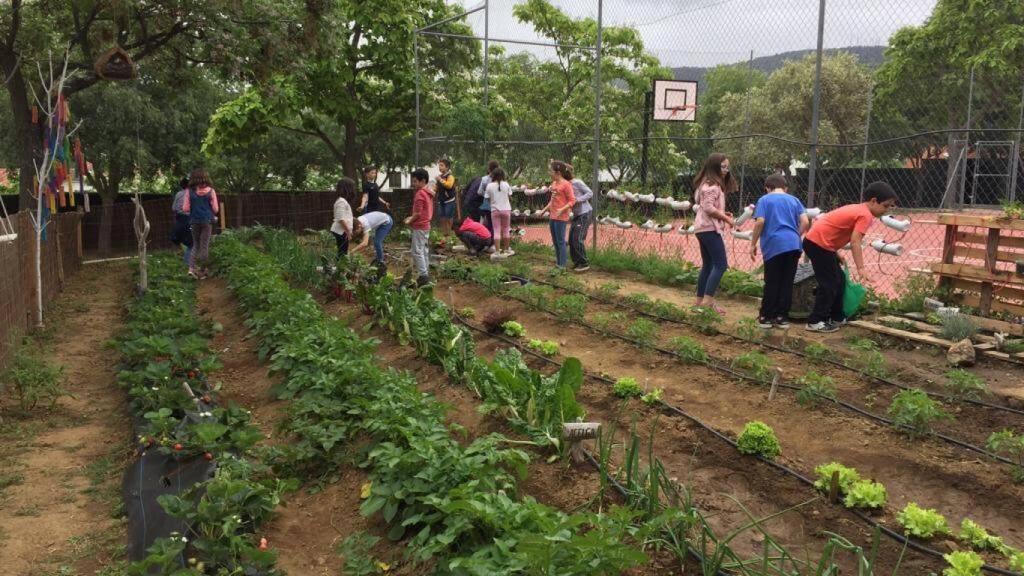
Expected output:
(675, 100)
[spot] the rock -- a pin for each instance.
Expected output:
(961, 353)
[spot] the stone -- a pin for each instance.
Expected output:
(961, 354)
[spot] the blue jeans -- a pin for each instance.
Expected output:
(714, 263)
(378, 239)
(558, 228)
(188, 255)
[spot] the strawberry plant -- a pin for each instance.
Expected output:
(847, 477)
(513, 329)
(915, 412)
(758, 439)
(963, 564)
(1006, 442)
(627, 388)
(865, 494)
(978, 538)
(689, 350)
(813, 388)
(754, 363)
(965, 385)
(922, 522)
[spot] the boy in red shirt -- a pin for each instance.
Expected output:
(475, 236)
(828, 235)
(419, 222)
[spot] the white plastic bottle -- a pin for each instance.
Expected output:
(747, 213)
(882, 247)
(901, 225)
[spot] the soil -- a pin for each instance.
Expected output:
(928, 473)
(61, 508)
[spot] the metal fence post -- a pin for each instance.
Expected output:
(487, 80)
(597, 120)
(746, 128)
(1016, 146)
(967, 141)
(646, 142)
(416, 63)
(816, 110)
(867, 137)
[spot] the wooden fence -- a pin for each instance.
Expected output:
(61, 258)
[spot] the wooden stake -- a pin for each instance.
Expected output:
(775, 384)
(833, 488)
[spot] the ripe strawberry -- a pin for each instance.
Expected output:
(208, 456)
(177, 447)
(191, 374)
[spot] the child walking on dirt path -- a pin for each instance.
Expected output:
(376, 224)
(181, 234)
(445, 191)
(202, 207)
(712, 183)
(475, 236)
(582, 213)
(341, 226)
(371, 201)
(560, 208)
(830, 233)
(498, 194)
(780, 220)
(419, 222)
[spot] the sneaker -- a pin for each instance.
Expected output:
(423, 281)
(498, 256)
(581, 269)
(509, 252)
(781, 323)
(763, 322)
(823, 327)
(491, 250)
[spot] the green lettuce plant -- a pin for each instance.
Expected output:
(759, 439)
(922, 522)
(865, 494)
(847, 477)
(963, 564)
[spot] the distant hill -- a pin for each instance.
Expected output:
(872, 56)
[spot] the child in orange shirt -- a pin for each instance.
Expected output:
(560, 208)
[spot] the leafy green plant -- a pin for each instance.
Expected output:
(747, 329)
(355, 550)
(957, 327)
(922, 522)
(627, 388)
(706, 320)
(916, 412)
(813, 388)
(668, 310)
(571, 306)
(963, 564)
(643, 331)
(638, 300)
(978, 538)
(755, 363)
(1013, 346)
(545, 347)
(491, 277)
(608, 290)
(535, 296)
(1014, 209)
(467, 312)
(689, 350)
(897, 324)
(817, 351)
(1016, 561)
(758, 439)
(865, 494)
(847, 477)
(653, 397)
(1006, 442)
(35, 380)
(513, 329)
(965, 385)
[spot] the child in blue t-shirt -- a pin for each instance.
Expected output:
(780, 220)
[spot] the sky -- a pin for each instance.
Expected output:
(710, 32)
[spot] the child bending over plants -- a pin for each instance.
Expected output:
(780, 220)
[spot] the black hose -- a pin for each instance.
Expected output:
(780, 467)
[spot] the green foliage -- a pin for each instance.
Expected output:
(643, 331)
(754, 363)
(965, 385)
(355, 550)
(916, 412)
(535, 296)
(571, 306)
(1017, 561)
(963, 564)
(647, 264)
(739, 283)
(627, 388)
(34, 380)
(865, 494)
(758, 439)
(1013, 346)
(653, 397)
(689, 349)
(977, 537)
(545, 347)
(608, 290)
(957, 327)
(1013, 209)
(1006, 442)
(513, 329)
(467, 312)
(847, 477)
(490, 276)
(922, 522)
(608, 320)
(868, 358)
(813, 388)
(638, 300)
(706, 320)
(818, 351)
(911, 294)
(748, 329)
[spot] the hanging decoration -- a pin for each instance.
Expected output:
(68, 161)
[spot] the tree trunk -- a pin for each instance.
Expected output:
(351, 158)
(108, 190)
(25, 133)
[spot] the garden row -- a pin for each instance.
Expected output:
(196, 495)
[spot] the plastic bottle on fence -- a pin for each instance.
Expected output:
(901, 225)
(813, 213)
(747, 213)
(744, 235)
(883, 247)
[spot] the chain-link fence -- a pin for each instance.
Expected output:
(835, 94)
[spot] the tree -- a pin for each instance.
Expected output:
(781, 109)
(352, 82)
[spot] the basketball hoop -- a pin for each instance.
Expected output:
(675, 100)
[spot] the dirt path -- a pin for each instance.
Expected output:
(60, 504)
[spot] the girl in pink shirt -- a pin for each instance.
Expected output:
(560, 207)
(712, 183)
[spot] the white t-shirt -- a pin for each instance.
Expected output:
(373, 220)
(342, 211)
(498, 195)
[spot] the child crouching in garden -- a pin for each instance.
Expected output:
(475, 236)
(779, 223)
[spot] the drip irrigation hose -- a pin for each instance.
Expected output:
(896, 536)
(842, 403)
(781, 349)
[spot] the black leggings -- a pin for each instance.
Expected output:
(779, 271)
(828, 299)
